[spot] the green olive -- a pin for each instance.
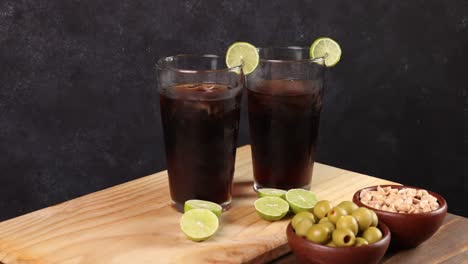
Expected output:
(331, 244)
(301, 216)
(318, 234)
(348, 221)
(349, 206)
(329, 225)
(363, 217)
(325, 219)
(302, 227)
(361, 242)
(321, 208)
(335, 213)
(343, 237)
(295, 221)
(372, 234)
(375, 219)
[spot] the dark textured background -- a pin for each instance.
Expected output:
(79, 112)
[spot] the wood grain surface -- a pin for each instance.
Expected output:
(134, 223)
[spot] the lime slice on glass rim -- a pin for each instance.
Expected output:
(271, 208)
(201, 204)
(263, 192)
(199, 224)
(326, 48)
(242, 53)
(301, 200)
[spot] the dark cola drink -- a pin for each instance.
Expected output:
(284, 119)
(200, 123)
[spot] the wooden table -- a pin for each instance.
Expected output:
(134, 223)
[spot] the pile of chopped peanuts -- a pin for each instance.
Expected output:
(405, 200)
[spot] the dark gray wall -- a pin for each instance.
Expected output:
(79, 112)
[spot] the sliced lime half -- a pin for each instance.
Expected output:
(271, 208)
(271, 192)
(201, 204)
(301, 200)
(242, 53)
(199, 224)
(326, 48)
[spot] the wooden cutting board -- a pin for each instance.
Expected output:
(134, 223)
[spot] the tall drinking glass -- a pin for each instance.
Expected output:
(284, 102)
(200, 106)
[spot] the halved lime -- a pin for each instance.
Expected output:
(199, 224)
(271, 208)
(326, 48)
(242, 53)
(271, 192)
(301, 200)
(201, 204)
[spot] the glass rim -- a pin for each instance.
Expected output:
(319, 59)
(160, 64)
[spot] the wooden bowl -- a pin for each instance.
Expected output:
(408, 230)
(309, 252)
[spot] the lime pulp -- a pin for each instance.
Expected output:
(301, 200)
(271, 192)
(199, 224)
(242, 53)
(326, 48)
(271, 208)
(201, 204)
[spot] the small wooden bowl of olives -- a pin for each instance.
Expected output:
(409, 229)
(345, 233)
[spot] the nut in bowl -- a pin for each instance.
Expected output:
(412, 214)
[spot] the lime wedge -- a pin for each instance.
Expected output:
(301, 200)
(200, 204)
(271, 192)
(271, 208)
(242, 53)
(326, 48)
(199, 224)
